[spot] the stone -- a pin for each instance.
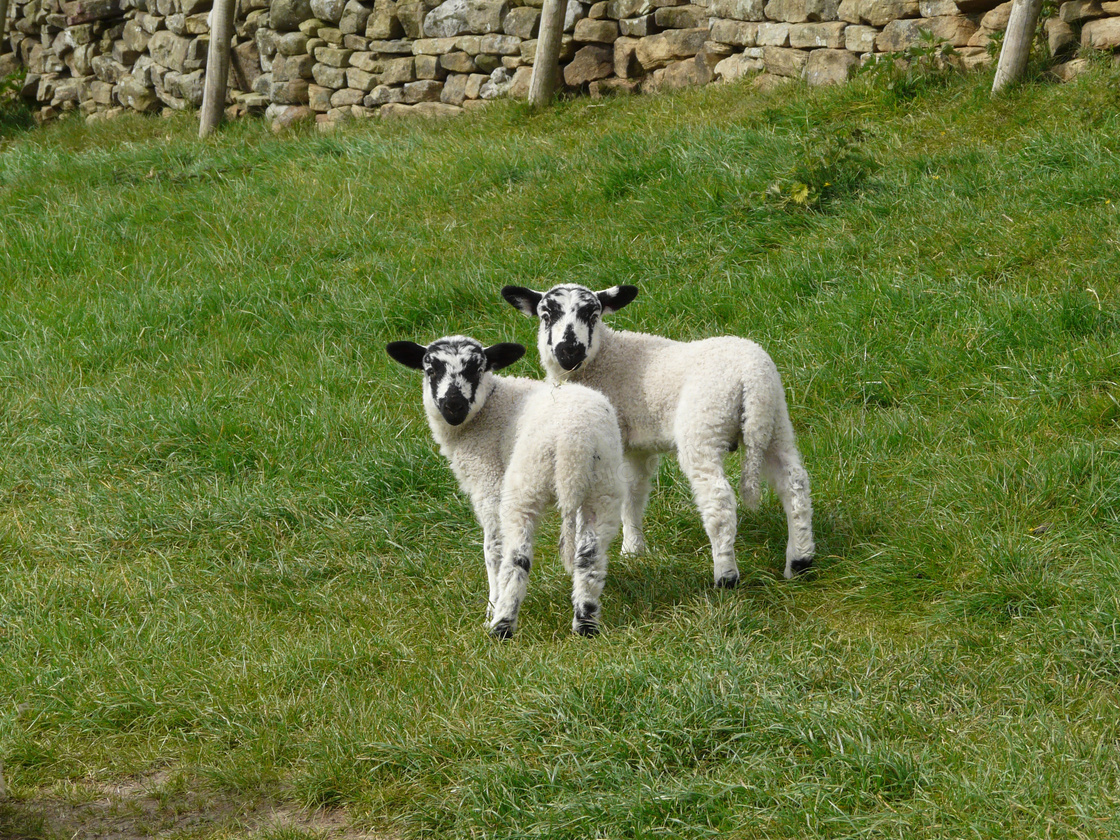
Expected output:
(736, 67)
(139, 97)
(681, 17)
(1075, 11)
(399, 71)
(781, 61)
(287, 15)
(754, 10)
(522, 22)
(458, 17)
(361, 80)
(499, 44)
(878, 12)
(626, 64)
(497, 85)
(574, 12)
(293, 92)
(319, 98)
(800, 11)
(859, 38)
(434, 46)
(899, 35)
(457, 62)
(938, 8)
(995, 20)
(1103, 34)
(328, 11)
(346, 97)
(355, 18)
(637, 27)
(598, 11)
(383, 95)
(333, 56)
(1060, 37)
(813, 35)
(773, 34)
(327, 76)
(604, 88)
(176, 52)
(367, 61)
(332, 35)
(99, 92)
(590, 63)
(619, 9)
(519, 86)
(690, 72)
(84, 11)
(383, 24)
(292, 43)
(245, 65)
(401, 46)
(135, 37)
(292, 67)
(428, 67)
(454, 89)
(107, 70)
(282, 117)
(736, 32)
(830, 66)
(590, 31)
(1072, 69)
(665, 47)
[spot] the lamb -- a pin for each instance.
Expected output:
(701, 398)
(516, 445)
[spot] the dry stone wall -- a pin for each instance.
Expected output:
(334, 60)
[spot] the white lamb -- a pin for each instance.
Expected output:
(701, 398)
(517, 445)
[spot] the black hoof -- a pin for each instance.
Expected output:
(802, 565)
(502, 630)
(587, 628)
(729, 581)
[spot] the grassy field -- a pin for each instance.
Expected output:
(238, 581)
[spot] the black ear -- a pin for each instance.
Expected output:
(503, 355)
(616, 297)
(522, 299)
(408, 353)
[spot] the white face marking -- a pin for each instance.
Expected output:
(568, 316)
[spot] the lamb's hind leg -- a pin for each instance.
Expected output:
(790, 481)
(519, 525)
(589, 575)
(702, 463)
(638, 470)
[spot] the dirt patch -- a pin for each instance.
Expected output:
(158, 805)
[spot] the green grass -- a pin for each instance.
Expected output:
(232, 555)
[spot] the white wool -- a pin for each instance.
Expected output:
(699, 398)
(529, 445)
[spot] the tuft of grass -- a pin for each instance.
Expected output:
(231, 549)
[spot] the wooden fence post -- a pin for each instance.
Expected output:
(546, 65)
(217, 66)
(1016, 43)
(3, 22)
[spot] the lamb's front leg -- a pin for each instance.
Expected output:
(492, 551)
(639, 469)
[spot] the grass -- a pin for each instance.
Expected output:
(232, 555)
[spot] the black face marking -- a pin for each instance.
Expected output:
(569, 315)
(454, 368)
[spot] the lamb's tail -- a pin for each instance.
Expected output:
(757, 425)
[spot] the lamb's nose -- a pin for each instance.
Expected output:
(455, 408)
(569, 354)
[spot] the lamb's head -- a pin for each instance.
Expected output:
(568, 334)
(456, 369)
